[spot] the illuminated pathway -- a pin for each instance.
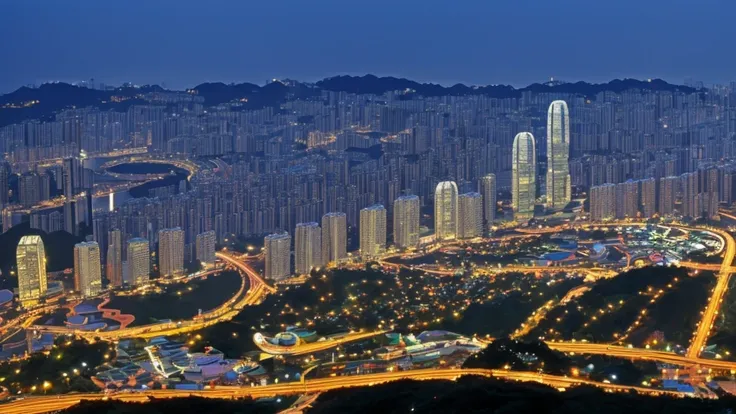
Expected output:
(244, 297)
(44, 404)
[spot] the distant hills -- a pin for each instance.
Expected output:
(53, 97)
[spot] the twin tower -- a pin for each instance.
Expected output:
(524, 165)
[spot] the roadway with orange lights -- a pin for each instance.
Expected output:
(257, 291)
(44, 404)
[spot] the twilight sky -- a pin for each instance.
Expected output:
(185, 42)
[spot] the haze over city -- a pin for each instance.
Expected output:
(294, 207)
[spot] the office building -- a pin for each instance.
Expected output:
(523, 176)
(205, 247)
(406, 222)
(307, 247)
(558, 152)
(114, 262)
(372, 231)
(445, 211)
(87, 269)
(487, 189)
(31, 259)
(278, 255)
(334, 238)
(139, 261)
(470, 216)
(171, 252)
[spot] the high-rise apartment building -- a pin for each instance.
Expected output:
(667, 195)
(523, 176)
(445, 211)
(690, 200)
(139, 261)
(87, 269)
(372, 231)
(278, 255)
(627, 199)
(307, 247)
(470, 215)
(648, 197)
(334, 238)
(171, 252)
(603, 202)
(114, 262)
(558, 153)
(487, 189)
(31, 259)
(205, 247)
(406, 221)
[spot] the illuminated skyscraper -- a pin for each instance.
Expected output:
(171, 252)
(307, 247)
(278, 255)
(372, 231)
(334, 238)
(87, 269)
(627, 199)
(445, 211)
(205, 246)
(558, 152)
(406, 221)
(523, 176)
(114, 263)
(487, 189)
(690, 200)
(470, 216)
(139, 261)
(31, 259)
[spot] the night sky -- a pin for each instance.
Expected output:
(182, 43)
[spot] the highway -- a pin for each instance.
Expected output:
(33, 405)
(251, 293)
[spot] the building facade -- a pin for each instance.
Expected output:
(470, 216)
(445, 211)
(406, 222)
(87, 269)
(372, 231)
(139, 261)
(307, 247)
(31, 259)
(558, 153)
(278, 256)
(171, 252)
(334, 238)
(487, 189)
(523, 176)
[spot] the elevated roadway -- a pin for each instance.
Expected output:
(33, 405)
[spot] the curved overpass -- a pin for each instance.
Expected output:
(243, 297)
(309, 348)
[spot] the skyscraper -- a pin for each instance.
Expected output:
(114, 263)
(205, 246)
(372, 231)
(523, 176)
(307, 247)
(558, 152)
(31, 258)
(171, 252)
(334, 238)
(406, 221)
(278, 255)
(71, 173)
(87, 269)
(139, 261)
(487, 189)
(470, 216)
(445, 211)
